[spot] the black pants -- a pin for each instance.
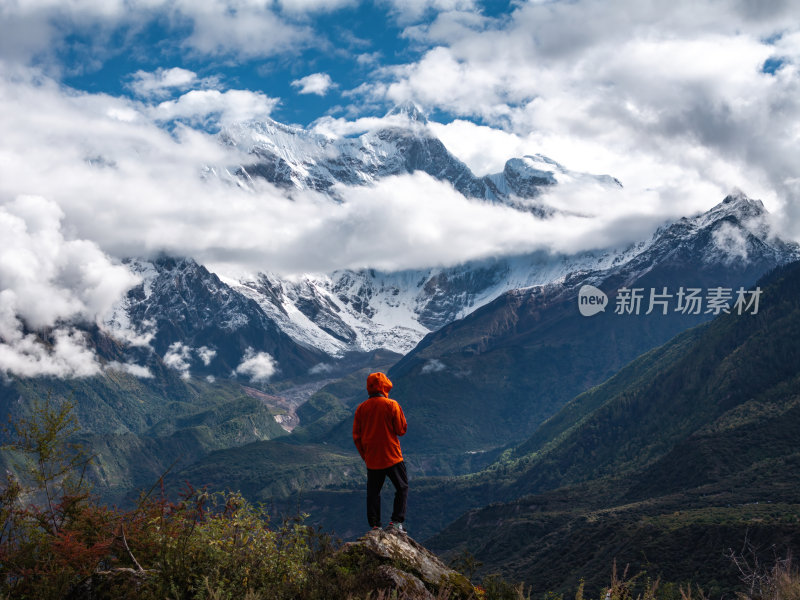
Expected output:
(375, 478)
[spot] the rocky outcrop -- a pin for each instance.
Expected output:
(394, 563)
(380, 565)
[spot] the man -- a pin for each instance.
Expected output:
(378, 422)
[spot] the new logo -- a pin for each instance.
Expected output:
(591, 300)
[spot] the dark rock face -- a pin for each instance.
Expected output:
(449, 293)
(387, 152)
(358, 299)
(184, 303)
(428, 154)
(526, 181)
(270, 167)
(322, 312)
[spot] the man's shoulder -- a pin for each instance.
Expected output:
(377, 401)
(368, 403)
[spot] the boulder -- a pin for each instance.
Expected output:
(396, 563)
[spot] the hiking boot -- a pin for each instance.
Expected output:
(397, 528)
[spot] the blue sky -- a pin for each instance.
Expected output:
(350, 43)
(109, 111)
(345, 43)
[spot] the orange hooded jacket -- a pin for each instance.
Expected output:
(377, 424)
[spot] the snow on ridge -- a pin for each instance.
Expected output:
(119, 324)
(366, 310)
(385, 309)
(308, 159)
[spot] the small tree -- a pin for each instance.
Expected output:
(55, 464)
(50, 534)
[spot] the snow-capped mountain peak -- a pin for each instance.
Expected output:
(409, 110)
(296, 158)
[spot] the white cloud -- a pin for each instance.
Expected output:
(662, 96)
(139, 371)
(443, 79)
(321, 369)
(47, 278)
(316, 83)
(447, 25)
(447, 228)
(483, 149)
(35, 29)
(340, 127)
(259, 366)
(65, 354)
(302, 6)
(178, 357)
(161, 82)
(731, 241)
(118, 325)
(47, 283)
(433, 365)
(658, 95)
(369, 58)
(136, 190)
(241, 28)
(202, 106)
(206, 354)
(408, 11)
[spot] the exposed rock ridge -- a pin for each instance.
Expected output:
(398, 564)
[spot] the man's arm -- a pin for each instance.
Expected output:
(357, 434)
(399, 421)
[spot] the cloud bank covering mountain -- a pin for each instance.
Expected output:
(110, 113)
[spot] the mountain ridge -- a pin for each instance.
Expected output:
(704, 427)
(297, 158)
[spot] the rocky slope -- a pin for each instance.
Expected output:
(200, 326)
